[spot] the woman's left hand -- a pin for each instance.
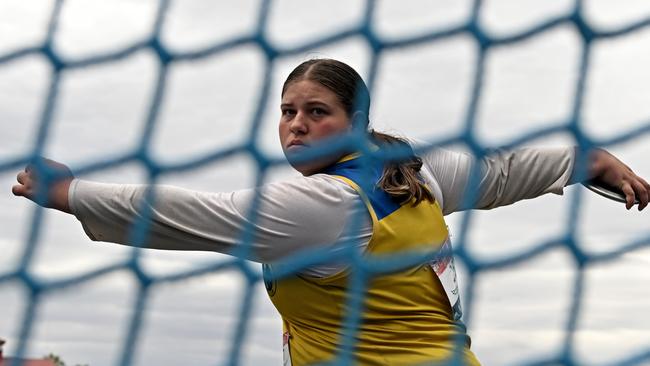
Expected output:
(606, 168)
(30, 184)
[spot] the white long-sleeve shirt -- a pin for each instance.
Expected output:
(306, 212)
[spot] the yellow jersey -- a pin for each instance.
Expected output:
(407, 316)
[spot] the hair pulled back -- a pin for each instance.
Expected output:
(400, 179)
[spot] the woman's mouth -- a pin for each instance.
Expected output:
(296, 144)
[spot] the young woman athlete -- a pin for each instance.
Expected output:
(411, 315)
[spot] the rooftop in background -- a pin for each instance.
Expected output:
(26, 362)
(6, 361)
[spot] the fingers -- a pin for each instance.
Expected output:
(20, 190)
(21, 177)
(23, 188)
(613, 172)
(628, 191)
(645, 184)
(641, 191)
(636, 190)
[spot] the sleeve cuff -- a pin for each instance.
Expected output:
(565, 179)
(72, 203)
(71, 199)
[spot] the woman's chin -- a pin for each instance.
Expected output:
(294, 154)
(309, 167)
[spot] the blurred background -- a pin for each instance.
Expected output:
(422, 91)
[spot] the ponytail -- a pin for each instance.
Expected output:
(401, 179)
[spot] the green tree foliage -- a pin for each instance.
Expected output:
(58, 361)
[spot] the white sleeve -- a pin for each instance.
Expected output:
(505, 177)
(292, 215)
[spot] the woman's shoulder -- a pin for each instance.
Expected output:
(316, 186)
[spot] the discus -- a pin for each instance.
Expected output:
(607, 191)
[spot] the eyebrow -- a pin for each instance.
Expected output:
(312, 102)
(309, 103)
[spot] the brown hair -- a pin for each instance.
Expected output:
(400, 179)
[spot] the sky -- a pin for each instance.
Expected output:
(518, 313)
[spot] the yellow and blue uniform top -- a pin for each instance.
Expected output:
(407, 316)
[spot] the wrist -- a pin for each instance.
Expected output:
(597, 163)
(59, 196)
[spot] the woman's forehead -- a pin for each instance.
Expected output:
(308, 91)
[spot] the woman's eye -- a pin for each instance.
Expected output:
(318, 111)
(288, 112)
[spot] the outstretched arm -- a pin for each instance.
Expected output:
(291, 216)
(506, 177)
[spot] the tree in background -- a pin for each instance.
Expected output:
(58, 361)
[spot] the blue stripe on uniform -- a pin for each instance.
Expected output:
(381, 202)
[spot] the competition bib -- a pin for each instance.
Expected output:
(443, 266)
(286, 356)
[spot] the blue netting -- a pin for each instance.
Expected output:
(363, 267)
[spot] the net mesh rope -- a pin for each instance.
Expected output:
(362, 267)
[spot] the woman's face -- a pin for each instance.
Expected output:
(310, 112)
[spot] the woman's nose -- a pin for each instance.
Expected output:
(298, 124)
